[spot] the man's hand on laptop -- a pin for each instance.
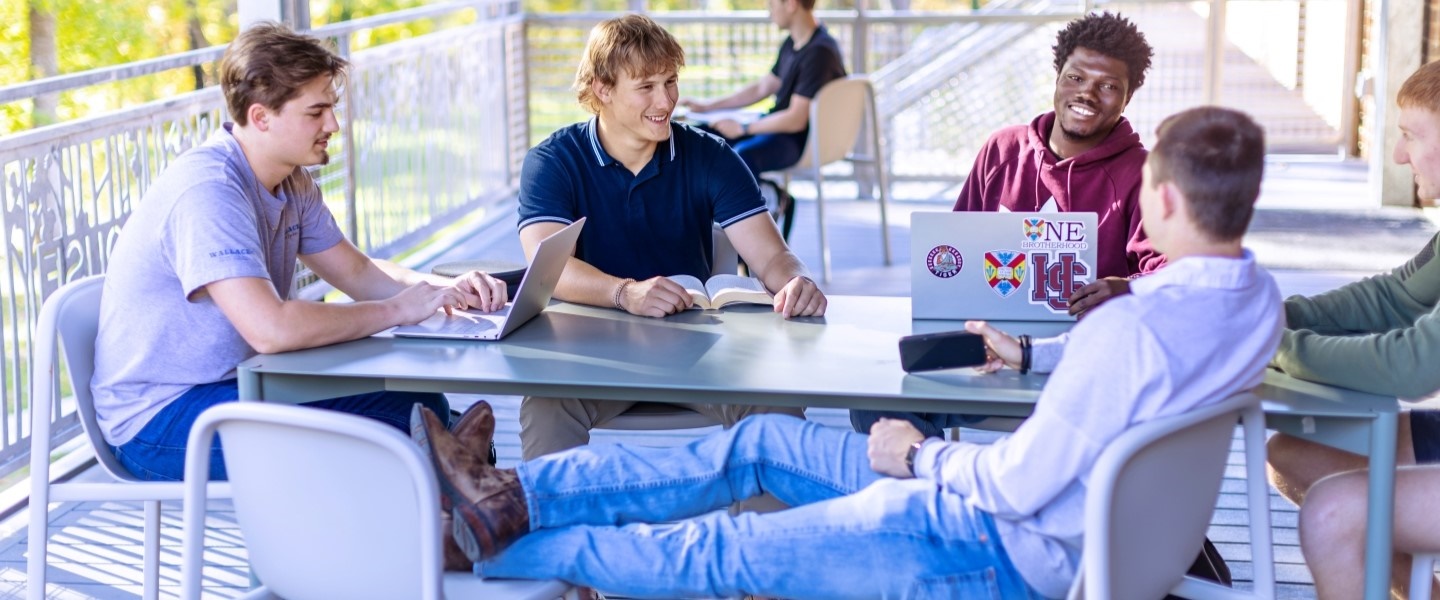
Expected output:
(418, 302)
(655, 297)
(481, 291)
(801, 298)
(1001, 350)
(1096, 293)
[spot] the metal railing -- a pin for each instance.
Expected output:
(432, 127)
(437, 126)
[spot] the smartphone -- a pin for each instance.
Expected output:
(945, 350)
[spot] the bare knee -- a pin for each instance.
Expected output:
(1332, 520)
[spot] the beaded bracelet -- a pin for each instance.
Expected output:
(620, 292)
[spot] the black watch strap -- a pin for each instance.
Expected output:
(910, 456)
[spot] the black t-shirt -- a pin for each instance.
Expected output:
(806, 70)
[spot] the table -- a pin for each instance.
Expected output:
(745, 354)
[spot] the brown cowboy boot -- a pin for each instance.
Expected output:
(489, 505)
(453, 557)
(475, 429)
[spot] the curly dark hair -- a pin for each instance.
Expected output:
(1109, 34)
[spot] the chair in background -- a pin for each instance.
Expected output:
(836, 115)
(1149, 503)
(71, 316)
(330, 505)
(1422, 576)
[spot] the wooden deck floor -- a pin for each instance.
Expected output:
(95, 547)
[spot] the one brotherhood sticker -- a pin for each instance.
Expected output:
(944, 261)
(1005, 271)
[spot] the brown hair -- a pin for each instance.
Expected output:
(1216, 156)
(633, 43)
(1422, 88)
(268, 63)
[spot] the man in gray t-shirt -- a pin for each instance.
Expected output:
(201, 276)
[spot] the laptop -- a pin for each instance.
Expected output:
(531, 298)
(1004, 266)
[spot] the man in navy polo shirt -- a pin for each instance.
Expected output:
(650, 189)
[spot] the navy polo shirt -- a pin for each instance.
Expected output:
(639, 226)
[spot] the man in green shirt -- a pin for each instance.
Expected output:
(1379, 335)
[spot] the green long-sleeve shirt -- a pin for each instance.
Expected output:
(1378, 335)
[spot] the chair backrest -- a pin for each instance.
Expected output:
(72, 315)
(330, 505)
(726, 258)
(1150, 498)
(836, 114)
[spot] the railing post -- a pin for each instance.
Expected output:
(352, 209)
(860, 49)
(1214, 51)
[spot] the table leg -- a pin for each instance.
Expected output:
(248, 383)
(1381, 507)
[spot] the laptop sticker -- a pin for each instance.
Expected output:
(944, 261)
(1005, 271)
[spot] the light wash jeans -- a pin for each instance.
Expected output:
(852, 533)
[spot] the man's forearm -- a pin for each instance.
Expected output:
(780, 270)
(582, 283)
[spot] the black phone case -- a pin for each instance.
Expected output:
(947, 350)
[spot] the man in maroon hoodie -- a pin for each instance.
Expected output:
(1081, 157)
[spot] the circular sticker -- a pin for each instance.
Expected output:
(944, 261)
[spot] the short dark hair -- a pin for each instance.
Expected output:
(1111, 35)
(808, 5)
(1216, 156)
(268, 64)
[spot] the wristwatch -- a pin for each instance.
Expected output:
(910, 456)
(744, 129)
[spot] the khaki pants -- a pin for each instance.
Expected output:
(550, 425)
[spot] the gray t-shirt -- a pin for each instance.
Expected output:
(205, 219)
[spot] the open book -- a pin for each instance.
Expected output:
(724, 289)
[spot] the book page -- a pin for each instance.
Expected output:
(698, 294)
(725, 289)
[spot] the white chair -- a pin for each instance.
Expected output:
(72, 316)
(1150, 498)
(1422, 576)
(330, 505)
(836, 115)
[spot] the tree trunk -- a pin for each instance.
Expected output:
(44, 60)
(196, 38)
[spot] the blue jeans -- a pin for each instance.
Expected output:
(157, 453)
(930, 424)
(767, 151)
(852, 533)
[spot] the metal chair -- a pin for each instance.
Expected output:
(836, 115)
(1149, 501)
(330, 505)
(71, 316)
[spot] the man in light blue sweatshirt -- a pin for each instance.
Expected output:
(894, 513)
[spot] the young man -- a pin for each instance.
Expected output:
(809, 58)
(652, 190)
(1379, 335)
(1081, 157)
(1004, 520)
(200, 279)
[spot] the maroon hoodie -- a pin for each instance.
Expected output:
(1016, 169)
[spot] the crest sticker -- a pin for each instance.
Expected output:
(944, 261)
(1005, 271)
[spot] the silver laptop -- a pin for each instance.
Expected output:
(1006, 266)
(532, 297)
